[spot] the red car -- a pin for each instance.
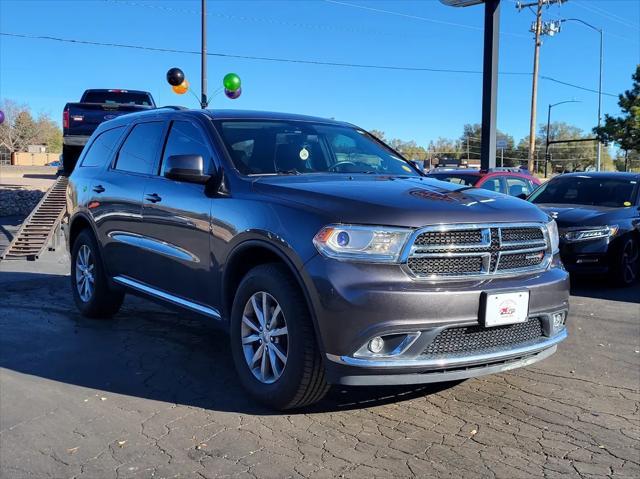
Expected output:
(511, 181)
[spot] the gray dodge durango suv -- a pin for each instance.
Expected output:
(326, 256)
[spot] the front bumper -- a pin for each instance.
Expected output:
(354, 302)
(586, 257)
(350, 376)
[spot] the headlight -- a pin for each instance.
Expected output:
(554, 239)
(376, 244)
(590, 233)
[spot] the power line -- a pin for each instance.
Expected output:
(284, 60)
(245, 18)
(251, 57)
(417, 17)
(604, 13)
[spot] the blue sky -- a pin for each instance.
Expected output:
(414, 105)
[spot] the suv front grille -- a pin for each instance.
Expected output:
(430, 238)
(452, 251)
(522, 234)
(463, 264)
(478, 339)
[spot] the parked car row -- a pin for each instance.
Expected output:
(510, 181)
(598, 214)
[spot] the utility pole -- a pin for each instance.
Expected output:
(203, 59)
(534, 87)
(539, 28)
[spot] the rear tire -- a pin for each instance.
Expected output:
(301, 381)
(89, 284)
(626, 262)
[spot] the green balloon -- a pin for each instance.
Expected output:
(231, 81)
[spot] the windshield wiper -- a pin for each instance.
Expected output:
(292, 171)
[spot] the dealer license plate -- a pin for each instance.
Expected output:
(506, 308)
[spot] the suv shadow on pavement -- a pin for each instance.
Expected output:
(147, 351)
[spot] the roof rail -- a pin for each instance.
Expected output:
(173, 107)
(510, 169)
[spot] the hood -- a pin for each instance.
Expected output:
(568, 216)
(396, 201)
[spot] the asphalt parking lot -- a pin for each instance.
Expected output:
(153, 394)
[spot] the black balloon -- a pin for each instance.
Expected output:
(175, 76)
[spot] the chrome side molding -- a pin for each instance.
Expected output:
(170, 298)
(154, 245)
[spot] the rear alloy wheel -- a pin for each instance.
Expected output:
(85, 268)
(273, 340)
(89, 284)
(628, 263)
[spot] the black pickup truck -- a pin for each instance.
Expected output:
(79, 120)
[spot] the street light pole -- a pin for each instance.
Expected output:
(203, 58)
(546, 150)
(598, 159)
(600, 31)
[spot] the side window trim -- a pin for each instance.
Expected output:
(88, 147)
(132, 126)
(213, 157)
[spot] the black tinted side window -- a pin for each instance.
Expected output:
(186, 139)
(102, 147)
(139, 151)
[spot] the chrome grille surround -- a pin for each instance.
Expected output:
(503, 249)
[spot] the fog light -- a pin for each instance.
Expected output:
(376, 344)
(558, 320)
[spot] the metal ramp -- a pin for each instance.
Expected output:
(41, 228)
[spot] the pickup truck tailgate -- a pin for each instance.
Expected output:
(84, 118)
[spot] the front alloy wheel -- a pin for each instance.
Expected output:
(629, 262)
(265, 339)
(273, 340)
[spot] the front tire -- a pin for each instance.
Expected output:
(276, 354)
(89, 284)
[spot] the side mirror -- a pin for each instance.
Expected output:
(187, 168)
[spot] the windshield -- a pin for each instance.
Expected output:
(259, 147)
(457, 178)
(117, 97)
(587, 190)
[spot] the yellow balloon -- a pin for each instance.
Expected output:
(182, 88)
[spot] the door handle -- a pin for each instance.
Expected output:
(98, 189)
(153, 198)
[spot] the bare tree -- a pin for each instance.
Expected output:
(19, 129)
